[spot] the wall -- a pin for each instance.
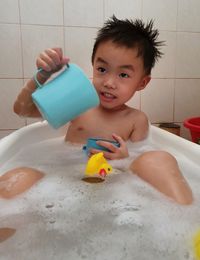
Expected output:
(27, 27)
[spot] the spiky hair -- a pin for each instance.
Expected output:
(132, 34)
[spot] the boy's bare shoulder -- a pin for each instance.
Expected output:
(140, 124)
(137, 115)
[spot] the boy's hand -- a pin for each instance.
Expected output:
(51, 60)
(115, 152)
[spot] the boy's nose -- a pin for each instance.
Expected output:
(110, 83)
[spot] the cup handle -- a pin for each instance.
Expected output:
(38, 85)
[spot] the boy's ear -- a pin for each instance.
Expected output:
(144, 82)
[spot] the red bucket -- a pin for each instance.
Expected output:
(194, 125)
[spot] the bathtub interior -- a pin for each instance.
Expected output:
(62, 217)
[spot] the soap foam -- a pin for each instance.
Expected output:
(63, 217)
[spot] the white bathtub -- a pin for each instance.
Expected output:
(62, 217)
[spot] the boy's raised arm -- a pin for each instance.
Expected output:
(50, 61)
(24, 105)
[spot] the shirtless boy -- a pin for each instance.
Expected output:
(124, 53)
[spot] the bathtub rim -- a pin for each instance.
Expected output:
(41, 131)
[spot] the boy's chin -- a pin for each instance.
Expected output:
(110, 107)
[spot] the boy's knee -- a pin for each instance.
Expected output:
(152, 157)
(161, 170)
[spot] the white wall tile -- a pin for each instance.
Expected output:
(164, 12)
(35, 39)
(165, 68)
(10, 46)
(157, 100)
(45, 12)
(83, 13)
(9, 11)
(78, 52)
(188, 15)
(187, 99)
(9, 91)
(135, 100)
(188, 55)
(181, 59)
(123, 9)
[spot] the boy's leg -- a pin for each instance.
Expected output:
(161, 170)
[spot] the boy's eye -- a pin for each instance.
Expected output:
(101, 69)
(124, 75)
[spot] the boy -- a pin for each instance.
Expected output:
(124, 53)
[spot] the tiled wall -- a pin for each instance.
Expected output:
(27, 27)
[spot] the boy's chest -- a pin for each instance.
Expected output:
(95, 125)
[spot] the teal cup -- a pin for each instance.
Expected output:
(65, 97)
(92, 143)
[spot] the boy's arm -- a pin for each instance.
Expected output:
(140, 128)
(50, 61)
(24, 105)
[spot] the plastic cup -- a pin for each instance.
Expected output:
(65, 97)
(91, 143)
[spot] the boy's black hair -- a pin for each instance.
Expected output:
(132, 34)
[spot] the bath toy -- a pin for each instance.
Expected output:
(92, 143)
(196, 245)
(97, 164)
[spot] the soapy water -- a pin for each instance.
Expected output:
(63, 217)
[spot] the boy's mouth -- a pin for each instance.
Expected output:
(107, 95)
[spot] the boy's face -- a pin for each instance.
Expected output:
(117, 74)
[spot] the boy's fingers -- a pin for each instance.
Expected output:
(59, 51)
(118, 139)
(65, 60)
(108, 145)
(46, 57)
(54, 56)
(51, 60)
(40, 63)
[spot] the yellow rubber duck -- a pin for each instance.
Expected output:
(97, 164)
(196, 245)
